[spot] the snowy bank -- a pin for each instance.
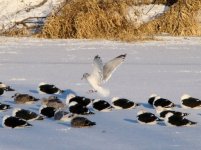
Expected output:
(145, 13)
(12, 12)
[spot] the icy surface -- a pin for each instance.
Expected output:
(169, 68)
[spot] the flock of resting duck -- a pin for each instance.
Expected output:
(79, 107)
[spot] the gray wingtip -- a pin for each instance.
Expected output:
(122, 56)
(97, 56)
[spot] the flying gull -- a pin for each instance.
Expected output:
(102, 73)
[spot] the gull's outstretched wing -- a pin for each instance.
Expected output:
(111, 66)
(97, 73)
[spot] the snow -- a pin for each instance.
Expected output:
(169, 67)
(145, 13)
(18, 10)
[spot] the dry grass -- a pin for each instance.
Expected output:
(15, 32)
(106, 19)
(198, 19)
(92, 19)
(180, 20)
(140, 2)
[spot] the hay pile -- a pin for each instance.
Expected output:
(198, 19)
(180, 20)
(107, 19)
(17, 32)
(91, 19)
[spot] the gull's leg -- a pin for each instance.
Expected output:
(92, 91)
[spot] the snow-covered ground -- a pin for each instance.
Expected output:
(144, 13)
(169, 68)
(18, 10)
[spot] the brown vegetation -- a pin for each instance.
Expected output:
(106, 19)
(180, 20)
(91, 19)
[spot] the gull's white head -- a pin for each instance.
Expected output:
(157, 97)
(153, 95)
(67, 117)
(2, 85)
(115, 98)
(41, 107)
(95, 100)
(141, 112)
(69, 97)
(185, 96)
(42, 83)
(73, 104)
(62, 116)
(160, 109)
(15, 111)
(85, 76)
(168, 115)
(166, 119)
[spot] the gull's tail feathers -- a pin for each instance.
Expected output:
(103, 92)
